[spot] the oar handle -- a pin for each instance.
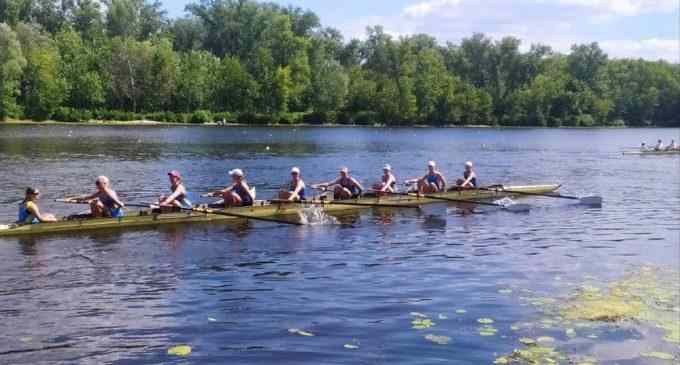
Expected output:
(244, 216)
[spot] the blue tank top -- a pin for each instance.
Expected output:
(433, 179)
(114, 211)
(245, 197)
(26, 217)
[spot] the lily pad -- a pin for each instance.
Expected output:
(545, 339)
(297, 331)
(658, 355)
(501, 361)
(461, 311)
(440, 340)
(485, 320)
(505, 291)
(350, 346)
(421, 324)
(180, 350)
(527, 341)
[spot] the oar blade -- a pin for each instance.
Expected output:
(518, 208)
(593, 201)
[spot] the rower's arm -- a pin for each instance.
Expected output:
(171, 198)
(296, 192)
(248, 190)
(469, 179)
(112, 194)
(443, 180)
(388, 184)
(358, 185)
(84, 198)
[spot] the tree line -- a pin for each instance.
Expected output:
(256, 62)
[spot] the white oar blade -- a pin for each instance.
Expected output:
(593, 201)
(518, 208)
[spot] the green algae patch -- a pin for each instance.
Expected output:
(461, 311)
(537, 355)
(421, 324)
(605, 309)
(300, 332)
(485, 320)
(487, 331)
(181, 350)
(658, 355)
(501, 361)
(440, 340)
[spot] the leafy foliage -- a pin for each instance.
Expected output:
(264, 63)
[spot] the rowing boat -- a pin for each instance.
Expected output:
(652, 153)
(260, 209)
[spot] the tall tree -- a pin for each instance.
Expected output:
(12, 63)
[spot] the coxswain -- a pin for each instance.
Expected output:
(29, 213)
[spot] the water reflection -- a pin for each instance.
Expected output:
(233, 290)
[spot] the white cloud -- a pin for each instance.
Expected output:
(623, 7)
(558, 23)
(653, 49)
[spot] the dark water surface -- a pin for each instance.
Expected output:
(233, 291)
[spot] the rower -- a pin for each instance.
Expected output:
(433, 181)
(295, 190)
(29, 213)
(345, 186)
(177, 200)
(643, 147)
(238, 194)
(469, 180)
(104, 203)
(388, 183)
(673, 146)
(659, 146)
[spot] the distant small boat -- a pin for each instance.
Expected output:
(652, 153)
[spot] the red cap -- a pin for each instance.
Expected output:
(175, 173)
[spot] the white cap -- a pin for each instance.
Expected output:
(387, 167)
(468, 164)
(345, 170)
(295, 170)
(236, 172)
(432, 164)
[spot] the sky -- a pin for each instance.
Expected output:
(648, 29)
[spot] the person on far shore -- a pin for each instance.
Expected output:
(295, 190)
(469, 180)
(659, 146)
(388, 183)
(29, 213)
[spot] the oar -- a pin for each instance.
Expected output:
(349, 203)
(131, 205)
(587, 200)
(515, 208)
(244, 216)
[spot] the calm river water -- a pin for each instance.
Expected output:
(397, 287)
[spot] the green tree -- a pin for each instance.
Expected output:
(12, 63)
(195, 81)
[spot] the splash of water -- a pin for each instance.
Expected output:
(315, 215)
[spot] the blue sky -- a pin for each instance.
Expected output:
(624, 28)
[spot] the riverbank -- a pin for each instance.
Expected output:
(141, 123)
